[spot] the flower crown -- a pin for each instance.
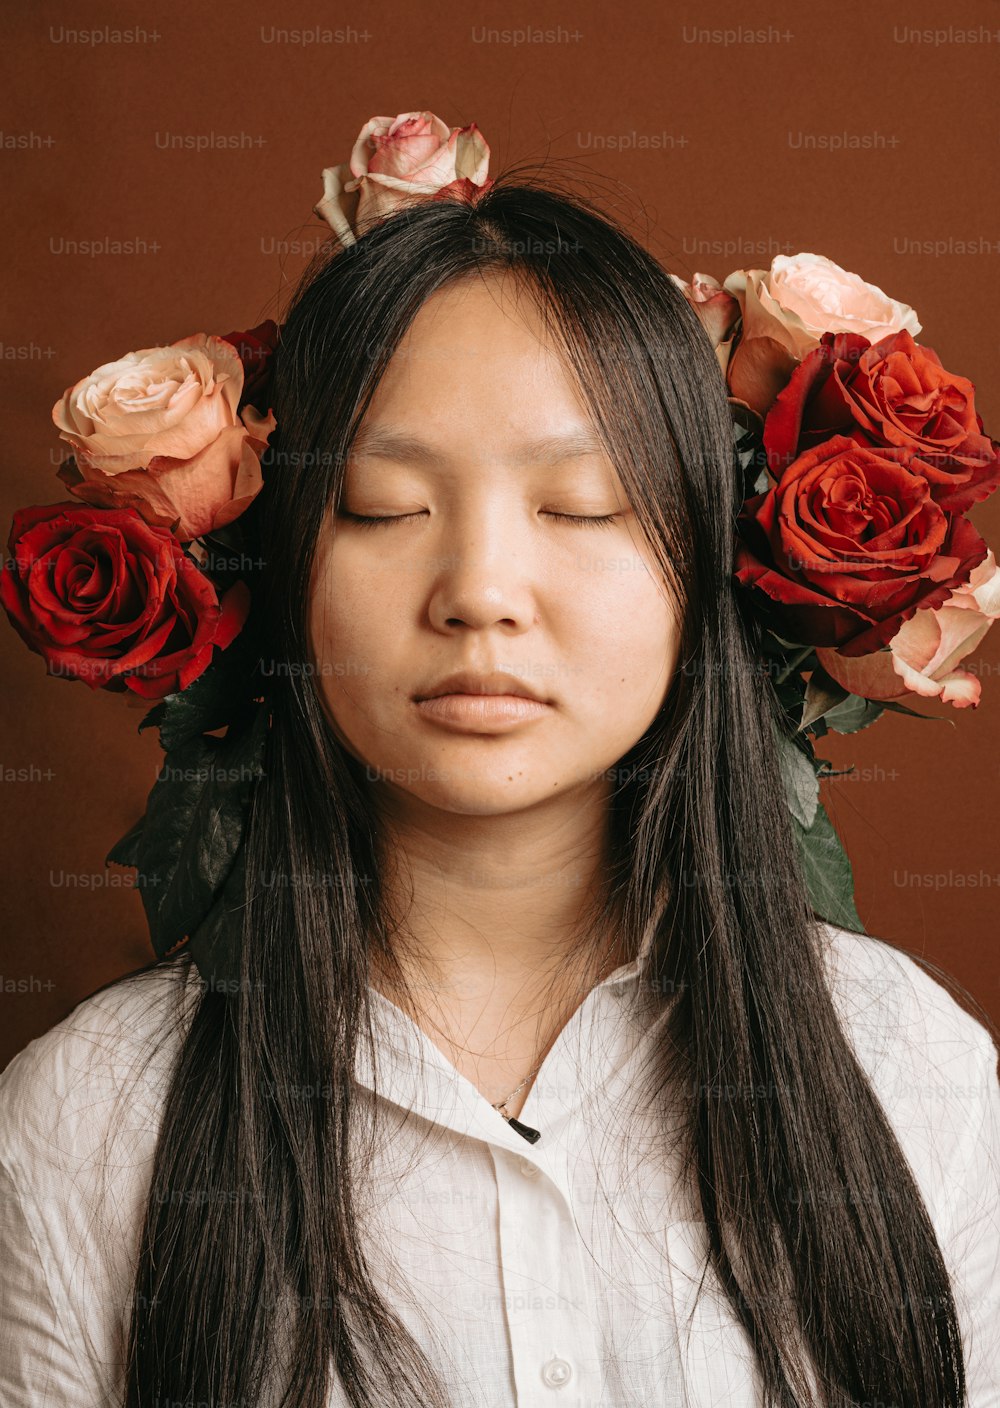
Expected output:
(860, 453)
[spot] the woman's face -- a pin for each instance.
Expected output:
(484, 577)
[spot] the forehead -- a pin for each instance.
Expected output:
(495, 297)
(478, 327)
(478, 361)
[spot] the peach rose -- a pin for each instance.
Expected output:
(160, 431)
(788, 308)
(399, 159)
(718, 310)
(922, 655)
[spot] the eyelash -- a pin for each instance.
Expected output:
(602, 521)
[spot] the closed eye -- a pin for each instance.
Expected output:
(602, 520)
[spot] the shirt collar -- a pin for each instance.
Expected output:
(412, 1072)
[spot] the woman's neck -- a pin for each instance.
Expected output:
(499, 1028)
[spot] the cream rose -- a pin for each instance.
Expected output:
(718, 310)
(395, 160)
(159, 430)
(788, 308)
(923, 654)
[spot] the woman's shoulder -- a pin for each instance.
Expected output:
(80, 1114)
(60, 1094)
(897, 1010)
(933, 1066)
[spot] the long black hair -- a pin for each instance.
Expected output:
(227, 1288)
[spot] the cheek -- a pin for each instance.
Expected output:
(628, 629)
(625, 609)
(639, 670)
(346, 635)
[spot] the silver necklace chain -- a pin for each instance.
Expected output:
(500, 1105)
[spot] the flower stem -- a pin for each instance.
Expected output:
(794, 663)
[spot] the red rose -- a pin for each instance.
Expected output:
(107, 598)
(256, 348)
(893, 393)
(850, 544)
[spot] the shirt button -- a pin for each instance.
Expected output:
(556, 1373)
(529, 1169)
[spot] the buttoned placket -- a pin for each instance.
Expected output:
(551, 1324)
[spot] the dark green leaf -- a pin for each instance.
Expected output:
(152, 716)
(215, 944)
(827, 871)
(212, 700)
(854, 713)
(126, 849)
(194, 824)
(902, 709)
(798, 773)
(827, 772)
(791, 696)
(822, 694)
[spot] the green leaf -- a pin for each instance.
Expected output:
(827, 871)
(790, 693)
(825, 773)
(854, 713)
(227, 541)
(210, 701)
(152, 716)
(902, 709)
(126, 849)
(215, 944)
(822, 695)
(798, 773)
(791, 697)
(193, 827)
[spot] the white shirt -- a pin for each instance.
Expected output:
(560, 1274)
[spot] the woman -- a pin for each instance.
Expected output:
(543, 1082)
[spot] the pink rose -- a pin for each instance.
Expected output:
(922, 655)
(718, 310)
(160, 431)
(399, 159)
(787, 309)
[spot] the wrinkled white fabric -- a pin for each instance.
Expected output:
(560, 1274)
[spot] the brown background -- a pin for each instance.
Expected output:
(694, 139)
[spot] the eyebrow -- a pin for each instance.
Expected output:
(392, 444)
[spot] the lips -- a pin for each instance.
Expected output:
(467, 682)
(481, 713)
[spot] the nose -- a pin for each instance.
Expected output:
(487, 579)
